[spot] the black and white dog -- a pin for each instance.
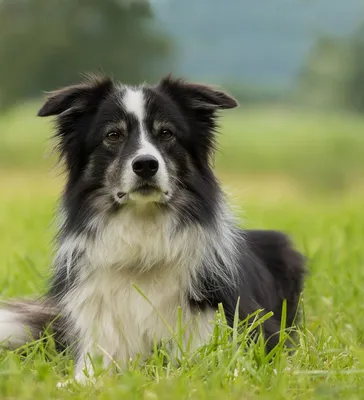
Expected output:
(145, 228)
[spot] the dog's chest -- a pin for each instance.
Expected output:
(134, 277)
(123, 315)
(143, 243)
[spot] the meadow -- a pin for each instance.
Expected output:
(294, 171)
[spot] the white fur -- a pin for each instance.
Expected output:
(13, 332)
(132, 252)
(108, 314)
(134, 103)
(115, 320)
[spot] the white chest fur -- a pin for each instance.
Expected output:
(122, 315)
(135, 276)
(140, 242)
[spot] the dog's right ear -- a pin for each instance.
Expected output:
(83, 96)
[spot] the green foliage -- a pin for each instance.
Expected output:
(253, 95)
(320, 151)
(328, 363)
(45, 44)
(333, 76)
(329, 360)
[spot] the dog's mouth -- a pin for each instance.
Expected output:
(146, 189)
(143, 191)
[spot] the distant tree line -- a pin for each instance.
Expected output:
(333, 76)
(45, 44)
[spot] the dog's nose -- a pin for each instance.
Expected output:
(145, 166)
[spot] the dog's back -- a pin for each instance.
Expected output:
(285, 264)
(287, 268)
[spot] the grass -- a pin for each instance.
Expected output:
(329, 229)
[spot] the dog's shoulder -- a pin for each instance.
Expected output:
(269, 271)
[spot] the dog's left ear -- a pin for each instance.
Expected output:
(197, 96)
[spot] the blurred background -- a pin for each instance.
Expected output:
(296, 67)
(291, 157)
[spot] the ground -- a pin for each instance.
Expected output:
(321, 207)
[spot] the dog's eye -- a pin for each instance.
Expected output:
(113, 137)
(165, 134)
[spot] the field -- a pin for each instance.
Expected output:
(293, 171)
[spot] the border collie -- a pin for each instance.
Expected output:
(146, 230)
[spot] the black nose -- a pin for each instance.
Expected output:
(145, 166)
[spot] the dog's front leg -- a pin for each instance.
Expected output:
(84, 373)
(89, 352)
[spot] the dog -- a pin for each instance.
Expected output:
(145, 229)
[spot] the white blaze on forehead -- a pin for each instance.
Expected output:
(134, 103)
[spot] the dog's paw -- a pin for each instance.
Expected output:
(64, 384)
(80, 379)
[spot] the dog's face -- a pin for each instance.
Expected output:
(135, 145)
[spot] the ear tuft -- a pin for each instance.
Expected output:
(87, 94)
(197, 96)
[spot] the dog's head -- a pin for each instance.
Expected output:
(136, 145)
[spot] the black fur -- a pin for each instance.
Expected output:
(271, 271)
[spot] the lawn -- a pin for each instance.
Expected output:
(261, 165)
